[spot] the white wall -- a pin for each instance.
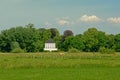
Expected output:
(50, 47)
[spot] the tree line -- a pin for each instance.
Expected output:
(30, 39)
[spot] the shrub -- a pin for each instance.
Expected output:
(104, 50)
(73, 50)
(17, 50)
(14, 45)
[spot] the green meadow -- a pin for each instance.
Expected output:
(53, 66)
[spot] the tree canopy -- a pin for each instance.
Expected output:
(30, 39)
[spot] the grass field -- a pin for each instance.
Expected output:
(53, 66)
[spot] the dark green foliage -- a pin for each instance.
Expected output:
(24, 38)
(38, 46)
(90, 39)
(74, 42)
(30, 39)
(53, 32)
(66, 34)
(117, 42)
(110, 42)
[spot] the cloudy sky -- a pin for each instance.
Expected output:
(75, 15)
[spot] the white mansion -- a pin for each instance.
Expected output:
(50, 45)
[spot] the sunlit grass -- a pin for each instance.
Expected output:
(52, 66)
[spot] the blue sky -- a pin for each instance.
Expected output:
(76, 15)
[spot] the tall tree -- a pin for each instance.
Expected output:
(117, 42)
(91, 41)
(66, 34)
(110, 42)
(73, 42)
(55, 34)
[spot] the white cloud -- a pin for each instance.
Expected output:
(63, 22)
(114, 20)
(92, 18)
(48, 24)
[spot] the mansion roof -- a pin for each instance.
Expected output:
(50, 41)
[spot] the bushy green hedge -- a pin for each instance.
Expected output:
(104, 50)
(17, 50)
(73, 50)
